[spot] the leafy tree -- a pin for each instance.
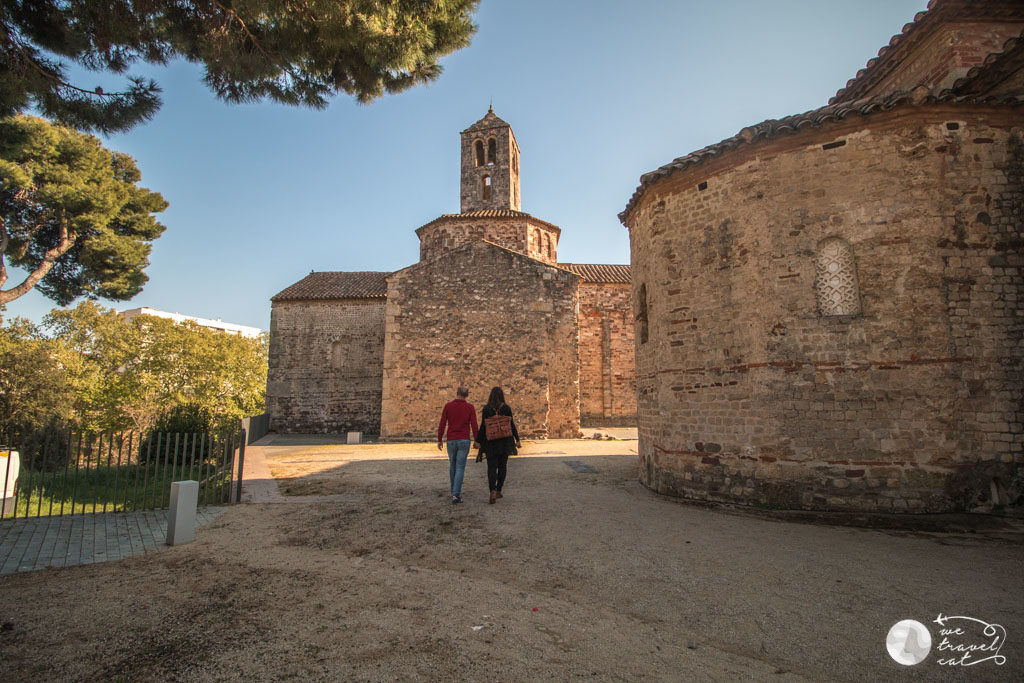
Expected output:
(34, 386)
(94, 345)
(126, 374)
(71, 214)
(292, 51)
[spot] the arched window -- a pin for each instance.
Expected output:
(487, 187)
(337, 355)
(551, 247)
(492, 152)
(835, 282)
(479, 152)
(641, 314)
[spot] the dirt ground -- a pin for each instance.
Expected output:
(573, 575)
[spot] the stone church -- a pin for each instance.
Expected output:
(487, 304)
(830, 306)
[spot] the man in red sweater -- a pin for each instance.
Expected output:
(460, 416)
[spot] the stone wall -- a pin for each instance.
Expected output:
(520, 233)
(502, 168)
(484, 316)
(325, 366)
(748, 393)
(607, 368)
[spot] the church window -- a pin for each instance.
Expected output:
(641, 314)
(835, 281)
(492, 152)
(479, 152)
(487, 187)
(337, 355)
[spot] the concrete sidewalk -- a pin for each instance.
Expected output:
(41, 542)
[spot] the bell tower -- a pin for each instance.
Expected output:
(490, 166)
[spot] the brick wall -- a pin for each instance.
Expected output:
(946, 55)
(748, 394)
(607, 368)
(325, 361)
(485, 316)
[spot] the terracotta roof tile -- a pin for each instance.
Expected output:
(488, 213)
(337, 285)
(935, 14)
(600, 272)
(772, 128)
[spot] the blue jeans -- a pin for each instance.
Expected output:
(458, 450)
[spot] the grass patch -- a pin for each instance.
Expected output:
(110, 489)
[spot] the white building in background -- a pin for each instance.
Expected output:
(218, 324)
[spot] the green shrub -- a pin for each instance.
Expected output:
(178, 433)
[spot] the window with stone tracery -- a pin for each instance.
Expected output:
(835, 282)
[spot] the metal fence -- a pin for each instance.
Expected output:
(63, 472)
(257, 427)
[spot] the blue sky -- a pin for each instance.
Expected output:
(598, 93)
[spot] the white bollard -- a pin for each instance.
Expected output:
(9, 465)
(355, 437)
(181, 518)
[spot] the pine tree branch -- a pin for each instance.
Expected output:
(67, 240)
(31, 61)
(233, 16)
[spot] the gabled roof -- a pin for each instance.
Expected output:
(337, 285)
(600, 272)
(488, 213)
(901, 44)
(490, 120)
(772, 128)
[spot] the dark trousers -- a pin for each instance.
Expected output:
(497, 466)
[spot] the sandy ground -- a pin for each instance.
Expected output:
(570, 576)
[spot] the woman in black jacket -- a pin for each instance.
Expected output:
(497, 450)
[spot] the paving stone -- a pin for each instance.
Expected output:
(37, 543)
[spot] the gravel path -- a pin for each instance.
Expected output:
(574, 574)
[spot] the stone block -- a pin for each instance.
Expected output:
(181, 517)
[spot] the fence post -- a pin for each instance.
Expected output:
(241, 465)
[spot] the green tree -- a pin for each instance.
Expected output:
(292, 51)
(71, 214)
(127, 374)
(34, 386)
(94, 345)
